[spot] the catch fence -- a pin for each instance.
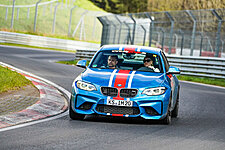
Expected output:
(188, 33)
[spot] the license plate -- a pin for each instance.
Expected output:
(119, 102)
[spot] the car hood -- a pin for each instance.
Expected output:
(122, 78)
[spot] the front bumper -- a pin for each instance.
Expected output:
(147, 107)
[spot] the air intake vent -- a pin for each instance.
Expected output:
(128, 93)
(109, 91)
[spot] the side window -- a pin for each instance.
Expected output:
(166, 63)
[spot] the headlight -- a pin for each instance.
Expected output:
(85, 86)
(154, 91)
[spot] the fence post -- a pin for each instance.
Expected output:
(217, 50)
(117, 18)
(171, 31)
(128, 35)
(12, 19)
(150, 28)
(69, 28)
(6, 13)
(35, 18)
(163, 37)
(200, 53)
(53, 26)
(134, 28)
(104, 30)
(182, 42)
(115, 29)
(18, 12)
(193, 31)
(144, 34)
(28, 12)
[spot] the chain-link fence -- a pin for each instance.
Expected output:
(58, 18)
(190, 32)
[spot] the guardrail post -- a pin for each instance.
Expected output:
(134, 28)
(144, 34)
(193, 31)
(217, 49)
(171, 31)
(35, 18)
(69, 28)
(150, 28)
(53, 25)
(12, 19)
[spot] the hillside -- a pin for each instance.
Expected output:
(88, 28)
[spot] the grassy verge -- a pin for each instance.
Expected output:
(27, 46)
(71, 62)
(211, 81)
(11, 80)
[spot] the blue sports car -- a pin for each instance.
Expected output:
(126, 81)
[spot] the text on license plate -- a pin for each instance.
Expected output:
(119, 102)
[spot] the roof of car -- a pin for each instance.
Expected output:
(131, 47)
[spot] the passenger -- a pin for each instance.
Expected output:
(112, 62)
(148, 65)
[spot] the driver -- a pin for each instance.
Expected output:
(112, 61)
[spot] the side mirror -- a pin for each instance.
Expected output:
(82, 63)
(173, 70)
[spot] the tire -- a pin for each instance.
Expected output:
(167, 120)
(176, 108)
(73, 115)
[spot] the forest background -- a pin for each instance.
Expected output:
(136, 6)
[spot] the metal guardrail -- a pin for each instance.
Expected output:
(189, 65)
(40, 41)
(193, 66)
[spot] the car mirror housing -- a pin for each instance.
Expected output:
(173, 70)
(82, 63)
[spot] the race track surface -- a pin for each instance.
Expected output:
(200, 126)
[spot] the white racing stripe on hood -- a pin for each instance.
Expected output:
(111, 78)
(131, 79)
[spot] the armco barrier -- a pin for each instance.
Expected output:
(40, 41)
(189, 65)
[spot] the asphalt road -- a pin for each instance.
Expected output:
(201, 122)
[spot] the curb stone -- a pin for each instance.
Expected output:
(50, 103)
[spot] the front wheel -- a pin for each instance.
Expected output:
(167, 120)
(73, 115)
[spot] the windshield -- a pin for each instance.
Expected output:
(125, 60)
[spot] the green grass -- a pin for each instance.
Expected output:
(71, 62)
(20, 45)
(11, 80)
(211, 81)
